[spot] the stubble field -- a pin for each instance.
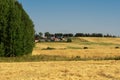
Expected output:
(69, 70)
(97, 48)
(63, 70)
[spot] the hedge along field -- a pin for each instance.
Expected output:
(96, 48)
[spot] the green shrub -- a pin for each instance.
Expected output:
(48, 48)
(69, 40)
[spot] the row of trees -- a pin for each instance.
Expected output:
(47, 34)
(93, 35)
(16, 29)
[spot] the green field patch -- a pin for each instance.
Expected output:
(38, 58)
(70, 47)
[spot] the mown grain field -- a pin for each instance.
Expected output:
(97, 48)
(63, 70)
(69, 70)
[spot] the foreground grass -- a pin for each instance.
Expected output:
(37, 58)
(61, 70)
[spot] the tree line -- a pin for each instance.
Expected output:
(57, 35)
(16, 29)
(93, 35)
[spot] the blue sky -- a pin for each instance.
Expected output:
(72, 16)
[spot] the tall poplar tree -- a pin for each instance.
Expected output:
(16, 29)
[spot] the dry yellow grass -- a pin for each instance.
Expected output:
(105, 40)
(90, 53)
(74, 70)
(68, 70)
(98, 47)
